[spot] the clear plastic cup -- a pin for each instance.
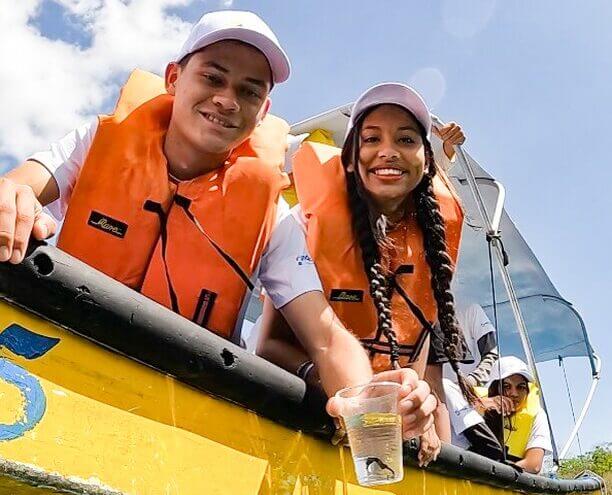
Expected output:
(374, 430)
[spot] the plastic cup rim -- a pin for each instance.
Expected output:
(364, 386)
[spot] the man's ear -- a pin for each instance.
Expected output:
(265, 108)
(172, 73)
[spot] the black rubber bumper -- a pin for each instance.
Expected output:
(61, 289)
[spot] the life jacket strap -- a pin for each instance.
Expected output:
(185, 203)
(156, 208)
(378, 346)
(416, 311)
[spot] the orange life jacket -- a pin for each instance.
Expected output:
(128, 219)
(321, 188)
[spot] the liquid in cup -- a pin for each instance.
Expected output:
(374, 431)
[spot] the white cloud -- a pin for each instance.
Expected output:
(226, 4)
(51, 86)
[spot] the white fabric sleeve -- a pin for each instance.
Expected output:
(64, 160)
(480, 323)
(462, 415)
(287, 270)
(539, 438)
(293, 143)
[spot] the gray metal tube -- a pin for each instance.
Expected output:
(497, 248)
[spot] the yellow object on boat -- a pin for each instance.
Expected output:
(322, 136)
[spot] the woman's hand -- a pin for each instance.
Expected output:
(430, 447)
(451, 135)
(416, 404)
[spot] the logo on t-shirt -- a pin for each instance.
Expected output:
(303, 259)
(346, 295)
(107, 224)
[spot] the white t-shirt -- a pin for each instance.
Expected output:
(462, 415)
(475, 324)
(539, 438)
(283, 271)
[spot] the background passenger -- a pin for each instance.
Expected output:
(481, 341)
(469, 430)
(525, 431)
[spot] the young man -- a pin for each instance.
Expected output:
(176, 193)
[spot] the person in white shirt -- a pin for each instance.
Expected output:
(481, 341)
(469, 430)
(219, 86)
(513, 401)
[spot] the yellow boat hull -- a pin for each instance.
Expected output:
(77, 417)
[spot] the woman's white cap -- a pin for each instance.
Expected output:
(396, 94)
(510, 365)
(242, 26)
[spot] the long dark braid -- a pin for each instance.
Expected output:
(369, 228)
(431, 222)
(370, 231)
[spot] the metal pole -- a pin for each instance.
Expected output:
(494, 235)
(585, 408)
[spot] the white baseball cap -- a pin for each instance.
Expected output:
(242, 26)
(396, 94)
(510, 365)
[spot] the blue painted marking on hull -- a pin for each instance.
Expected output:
(25, 343)
(34, 398)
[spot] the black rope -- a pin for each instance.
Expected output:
(569, 396)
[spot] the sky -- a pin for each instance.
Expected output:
(529, 83)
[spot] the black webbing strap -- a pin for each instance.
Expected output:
(416, 311)
(156, 208)
(185, 203)
(376, 345)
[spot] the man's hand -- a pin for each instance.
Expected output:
(416, 404)
(21, 215)
(498, 404)
(451, 135)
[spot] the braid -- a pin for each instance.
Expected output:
(370, 231)
(431, 223)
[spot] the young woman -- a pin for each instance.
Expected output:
(383, 227)
(526, 435)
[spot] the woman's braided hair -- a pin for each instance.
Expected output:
(370, 229)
